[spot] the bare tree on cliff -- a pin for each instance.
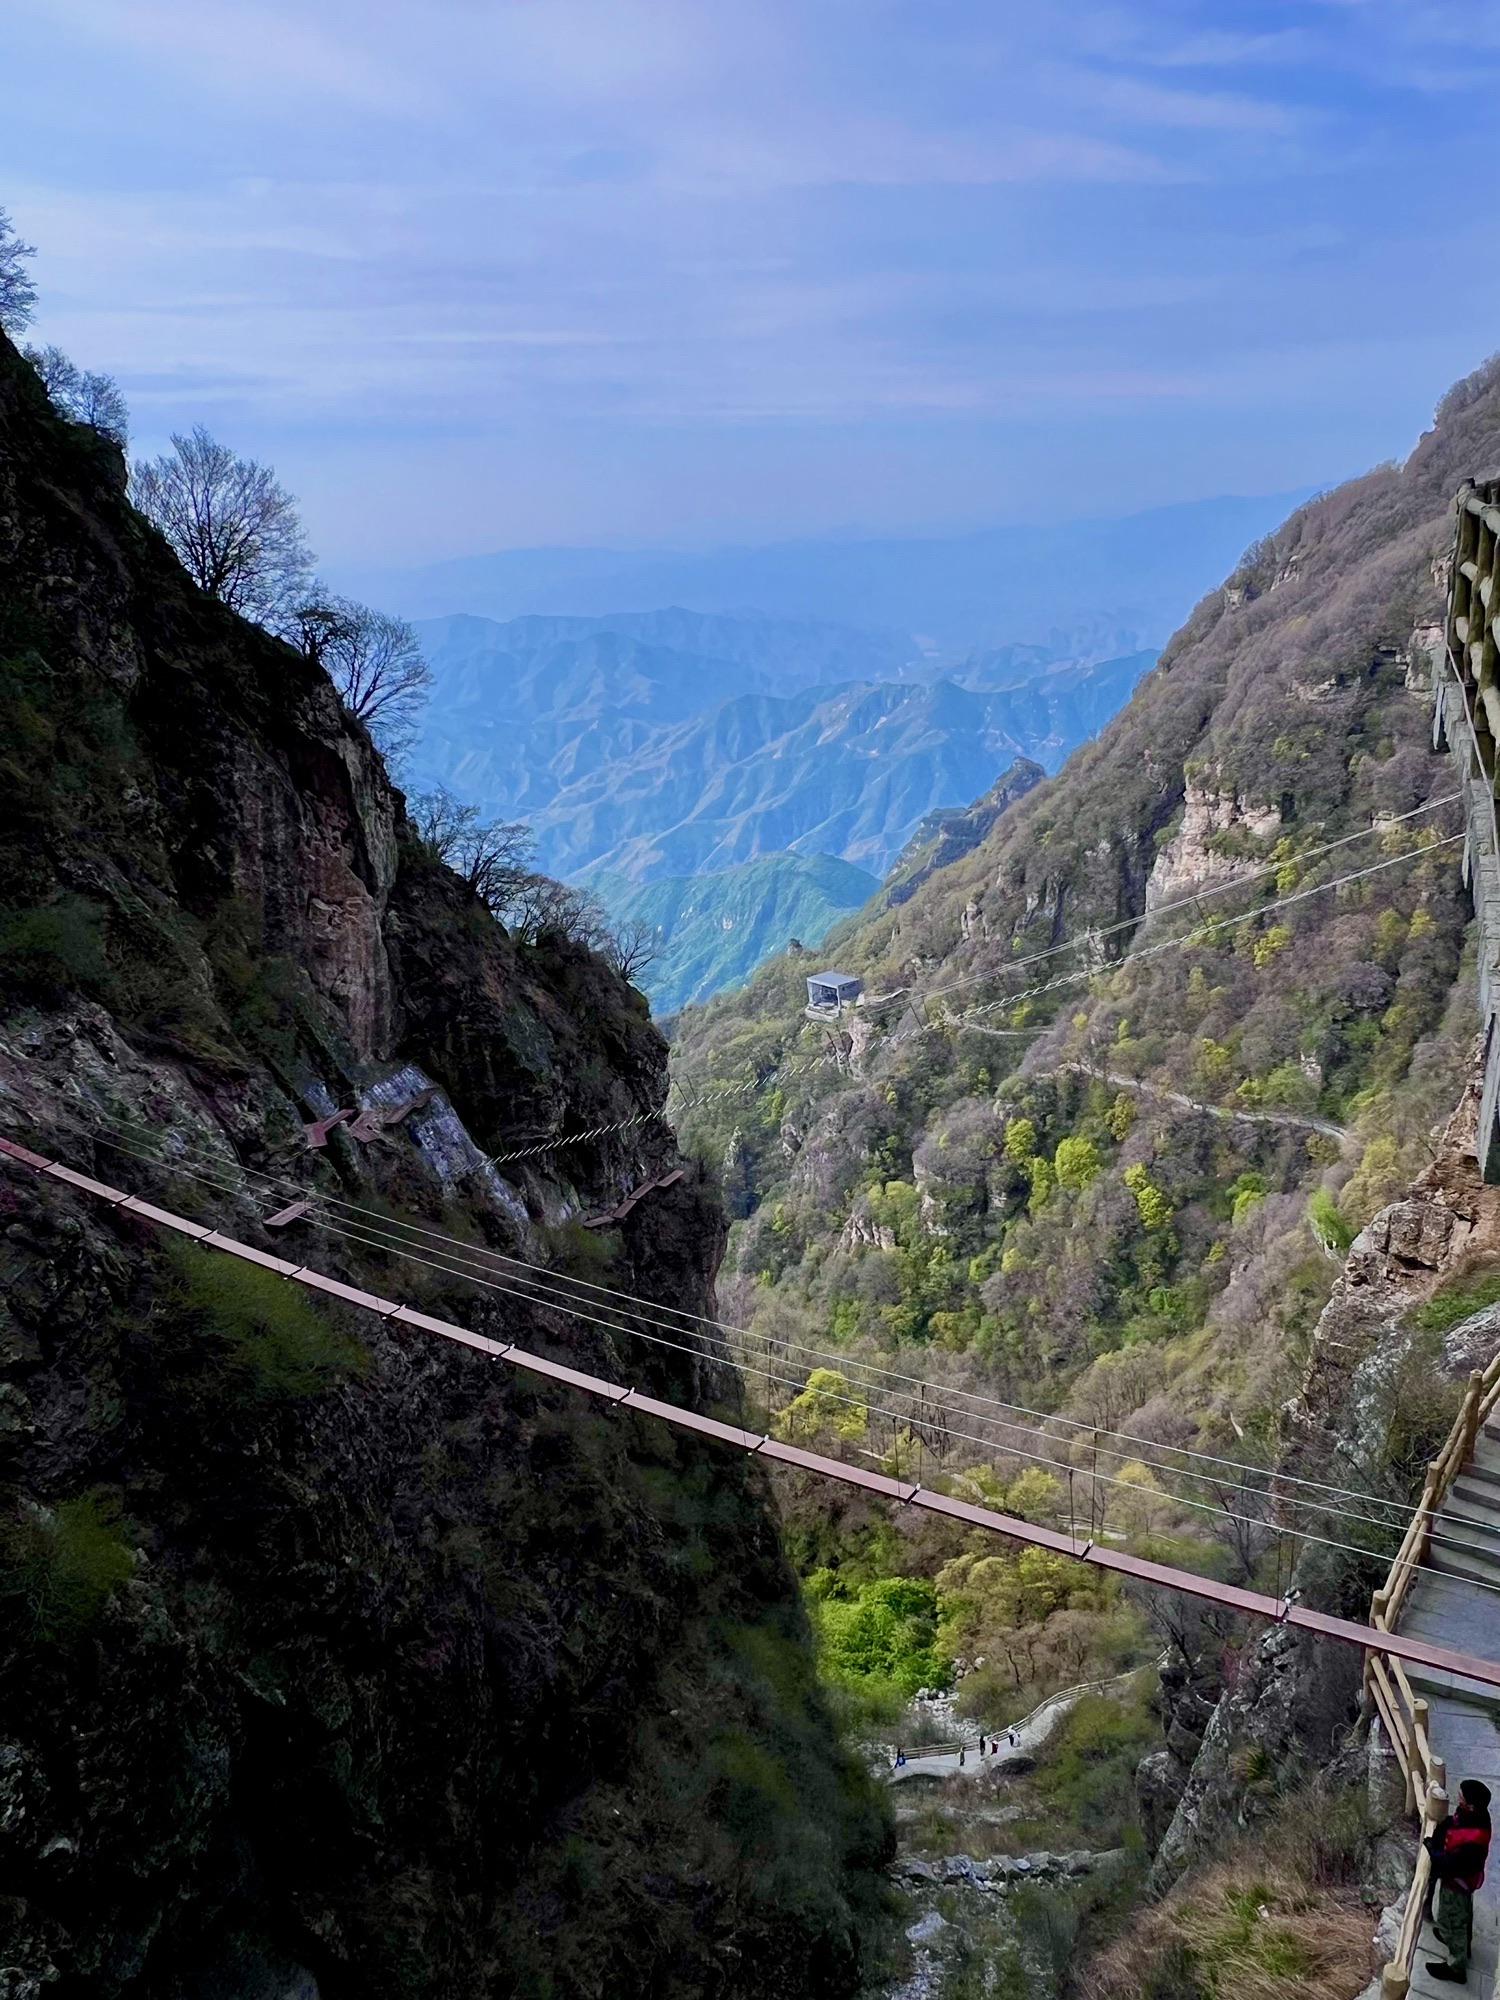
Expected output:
(494, 859)
(234, 527)
(17, 292)
(375, 662)
(633, 947)
(492, 856)
(82, 396)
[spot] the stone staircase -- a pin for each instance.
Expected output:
(1464, 1715)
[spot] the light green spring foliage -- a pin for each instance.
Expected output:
(1076, 1164)
(826, 1408)
(1020, 1141)
(882, 1632)
(1245, 1196)
(1330, 1225)
(1155, 1209)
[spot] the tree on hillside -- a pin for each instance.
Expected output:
(233, 526)
(375, 662)
(633, 947)
(541, 906)
(492, 856)
(17, 291)
(81, 395)
(494, 859)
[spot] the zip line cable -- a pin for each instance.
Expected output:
(1208, 930)
(576, 1312)
(1212, 889)
(1368, 1638)
(968, 1396)
(1193, 937)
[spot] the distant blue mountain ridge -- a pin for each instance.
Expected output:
(734, 781)
(699, 763)
(1038, 582)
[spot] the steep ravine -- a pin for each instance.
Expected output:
(334, 1661)
(1093, 1156)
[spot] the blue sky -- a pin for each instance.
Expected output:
(485, 273)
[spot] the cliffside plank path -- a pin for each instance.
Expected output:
(1370, 1639)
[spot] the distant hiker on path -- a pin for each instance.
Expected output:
(900, 1756)
(1459, 1847)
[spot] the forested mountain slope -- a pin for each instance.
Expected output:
(1125, 1186)
(1279, 719)
(1068, 1197)
(335, 1661)
(521, 710)
(728, 779)
(714, 929)
(846, 771)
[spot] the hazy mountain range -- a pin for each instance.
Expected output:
(736, 781)
(714, 930)
(715, 757)
(1036, 581)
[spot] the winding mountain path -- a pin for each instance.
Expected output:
(1031, 1733)
(1292, 1120)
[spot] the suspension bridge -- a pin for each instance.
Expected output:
(1423, 1651)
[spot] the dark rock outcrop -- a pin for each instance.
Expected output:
(335, 1661)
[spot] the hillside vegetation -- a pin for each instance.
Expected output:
(1116, 1182)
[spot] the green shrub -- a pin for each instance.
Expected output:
(1076, 1163)
(54, 949)
(1088, 1776)
(1457, 1301)
(884, 1632)
(59, 1569)
(1328, 1221)
(270, 1334)
(582, 1253)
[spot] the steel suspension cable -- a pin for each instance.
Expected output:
(539, 1274)
(1271, 868)
(543, 1275)
(533, 1292)
(575, 1312)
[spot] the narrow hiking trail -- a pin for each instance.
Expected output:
(976, 1889)
(1030, 1734)
(1297, 1121)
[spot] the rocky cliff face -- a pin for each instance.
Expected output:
(332, 1661)
(1369, 1374)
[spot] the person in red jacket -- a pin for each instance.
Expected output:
(1459, 1848)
